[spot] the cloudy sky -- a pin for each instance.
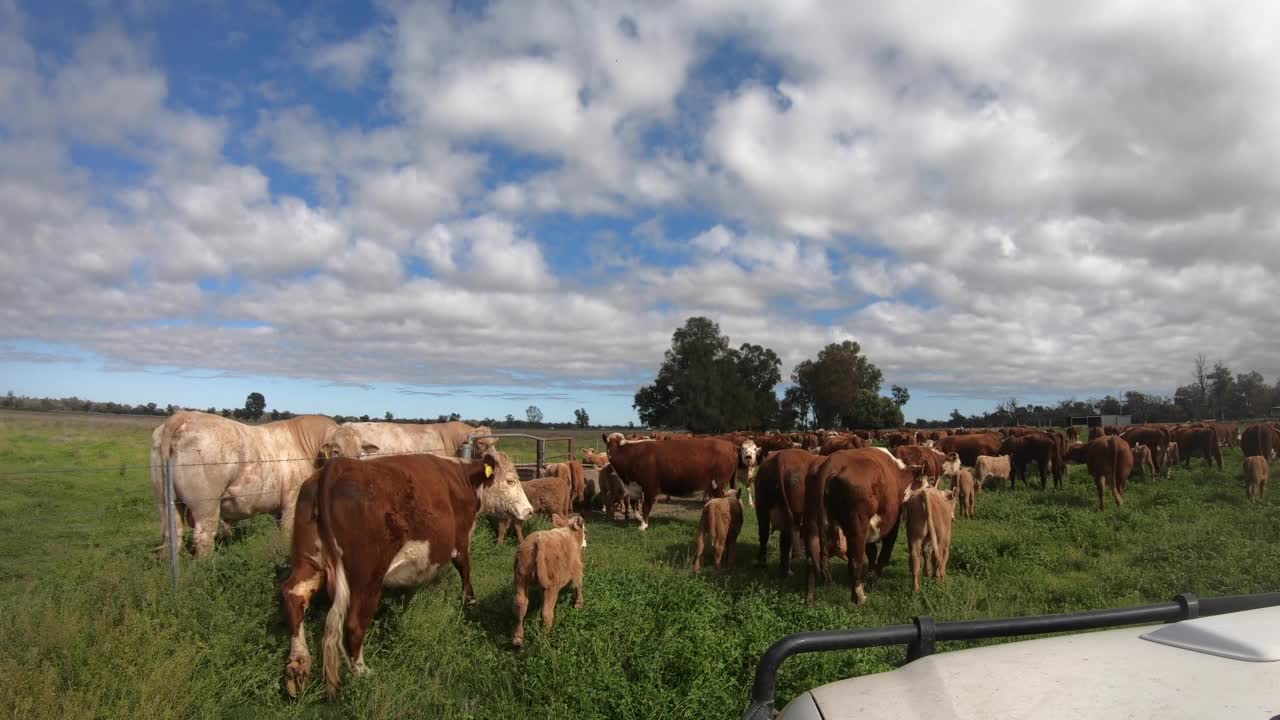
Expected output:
(429, 207)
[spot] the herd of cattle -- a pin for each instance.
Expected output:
(369, 506)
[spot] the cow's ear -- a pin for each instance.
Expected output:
(490, 463)
(370, 448)
(559, 520)
(951, 495)
(605, 438)
(579, 523)
(322, 455)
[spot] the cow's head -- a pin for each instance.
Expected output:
(747, 453)
(951, 465)
(343, 441)
(481, 446)
(574, 524)
(612, 439)
(501, 493)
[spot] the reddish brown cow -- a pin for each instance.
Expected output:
(969, 446)
(1198, 440)
(1261, 439)
(681, 467)
(551, 559)
(552, 495)
(385, 522)
(1037, 447)
(780, 484)
(904, 437)
(836, 443)
(1151, 436)
(1227, 432)
(771, 443)
(1073, 434)
(1095, 432)
(929, 458)
(859, 492)
(1256, 472)
(1109, 459)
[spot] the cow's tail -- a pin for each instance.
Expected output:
(335, 652)
(579, 481)
(1115, 464)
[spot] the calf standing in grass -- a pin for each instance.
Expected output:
(551, 559)
(1142, 460)
(929, 514)
(1256, 471)
(722, 518)
(963, 486)
(550, 495)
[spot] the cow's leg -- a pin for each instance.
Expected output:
(649, 500)
(1044, 483)
(762, 521)
(296, 593)
(549, 597)
(503, 525)
(1117, 490)
(699, 545)
(519, 530)
(1101, 481)
(915, 546)
(886, 547)
(463, 564)
(521, 607)
(731, 550)
(577, 585)
(719, 548)
(359, 617)
(813, 554)
(286, 513)
(856, 532)
(205, 523)
(786, 540)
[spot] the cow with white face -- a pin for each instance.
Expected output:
(748, 453)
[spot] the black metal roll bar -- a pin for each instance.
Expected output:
(923, 634)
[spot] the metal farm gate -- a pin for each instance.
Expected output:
(526, 470)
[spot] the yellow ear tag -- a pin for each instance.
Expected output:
(488, 471)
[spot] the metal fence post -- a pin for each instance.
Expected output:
(173, 537)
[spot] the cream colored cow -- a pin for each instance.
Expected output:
(361, 439)
(226, 470)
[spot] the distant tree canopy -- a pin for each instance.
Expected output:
(580, 418)
(707, 386)
(254, 405)
(841, 388)
(533, 414)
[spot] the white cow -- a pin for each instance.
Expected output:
(362, 439)
(224, 469)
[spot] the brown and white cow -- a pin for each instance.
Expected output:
(552, 495)
(860, 493)
(929, 514)
(722, 521)
(679, 467)
(780, 485)
(1261, 439)
(383, 522)
(931, 458)
(1256, 473)
(970, 445)
(748, 466)
(226, 470)
(549, 559)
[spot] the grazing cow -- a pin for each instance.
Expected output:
(551, 559)
(722, 520)
(226, 470)
(836, 443)
(747, 468)
(591, 457)
(1260, 439)
(1035, 447)
(1109, 458)
(970, 445)
(860, 493)
(931, 458)
(929, 514)
(991, 471)
(551, 495)
(1256, 472)
(680, 467)
(1151, 436)
(384, 522)
(1142, 460)
(780, 485)
(1198, 440)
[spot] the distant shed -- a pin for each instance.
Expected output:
(1102, 420)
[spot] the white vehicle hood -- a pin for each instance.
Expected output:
(1095, 675)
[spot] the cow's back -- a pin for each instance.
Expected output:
(679, 466)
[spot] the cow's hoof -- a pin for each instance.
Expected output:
(296, 675)
(577, 605)
(517, 642)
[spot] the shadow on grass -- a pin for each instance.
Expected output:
(744, 574)
(1060, 499)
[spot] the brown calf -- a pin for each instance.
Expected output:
(1142, 460)
(548, 495)
(551, 559)
(963, 486)
(929, 514)
(1256, 472)
(613, 494)
(722, 519)
(1109, 458)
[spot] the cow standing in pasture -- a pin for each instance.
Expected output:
(970, 445)
(1109, 459)
(858, 492)
(991, 471)
(1256, 473)
(780, 485)
(722, 521)
(549, 559)
(360, 439)
(929, 515)
(1142, 460)
(1201, 441)
(226, 470)
(1261, 439)
(679, 467)
(387, 522)
(1037, 447)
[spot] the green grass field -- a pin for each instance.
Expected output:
(89, 626)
